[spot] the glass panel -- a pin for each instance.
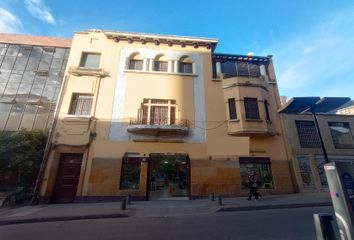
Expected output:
(81, 104)
(160, 66)
(306, 172)
(4, 76)
(4, 113)
(25, 51)
(36, 90)
(136, 64)
(254, 70)
(40, 79)
(266, 110)
(36, 52)
(228, 68)
(159, 115)
(56, 64)
(24, 89)
(232, 109)
(41, 118)
(251, 108)
(8, 63)
(3, 48)
(48, 93)
(29, 116)
(242, 68)
(15, 78)
(45, 62)
(28, 77)
(20, 64)
(173, 115)
(11, 89)
(341, 135)
(59, 53)
(15, 117)
(13, 50)
(54, 77)
(90, 60)
(2, 88)
(130, 178)
(33, 63)
(185, 67)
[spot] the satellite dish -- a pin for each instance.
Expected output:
(250, 54)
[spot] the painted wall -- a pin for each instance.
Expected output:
(104, 139)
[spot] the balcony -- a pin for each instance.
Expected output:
(158, 127)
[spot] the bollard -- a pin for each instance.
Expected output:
(220, 200)
(124, 204)
(129, 199)
(212, 196)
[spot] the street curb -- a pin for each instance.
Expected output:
(60, 219)
(279, 206)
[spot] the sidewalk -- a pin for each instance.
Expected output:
(145, 209)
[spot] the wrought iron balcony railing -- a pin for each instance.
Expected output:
(159, 122)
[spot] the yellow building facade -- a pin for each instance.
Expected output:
(160, 117)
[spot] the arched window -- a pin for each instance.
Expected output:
(135, 62)
(185, 65)
(160, 63)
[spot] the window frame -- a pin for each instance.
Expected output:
(84, 57)
(147, 107)
(232, 109)
(72, 111)
(305, 137)
(336, 138)
(251, 108)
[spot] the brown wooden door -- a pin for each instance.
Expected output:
(67, 177)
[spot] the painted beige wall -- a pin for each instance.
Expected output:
(214, 162)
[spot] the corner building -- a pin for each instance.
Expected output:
(160, 117)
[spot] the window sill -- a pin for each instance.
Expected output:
(160, 72)
(253, 120)
(234, 120)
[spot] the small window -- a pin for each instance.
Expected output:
(232, 109)
(135, 62)
(81, 104)
(251, 108)
(130, 175)
(185, 65)
(341, 135)
(90, 60)
(160, 64)
(266, 109)
(307, 133)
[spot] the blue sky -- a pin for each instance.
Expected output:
(312, 41)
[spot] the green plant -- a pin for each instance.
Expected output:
(21, 155)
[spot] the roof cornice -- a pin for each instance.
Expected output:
(170, 40)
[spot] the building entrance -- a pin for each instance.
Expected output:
(169, 176)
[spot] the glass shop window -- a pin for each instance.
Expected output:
(262, 168)
(130, 175)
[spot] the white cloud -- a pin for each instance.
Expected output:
(9, 23)
(39, 10)
(318, 60)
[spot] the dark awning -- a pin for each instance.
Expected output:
(317, 104)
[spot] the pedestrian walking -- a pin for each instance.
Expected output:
(253, 184)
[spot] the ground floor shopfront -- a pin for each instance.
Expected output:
(72, 175)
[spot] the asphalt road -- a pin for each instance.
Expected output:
(284, 224)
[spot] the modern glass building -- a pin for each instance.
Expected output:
(31, 73)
